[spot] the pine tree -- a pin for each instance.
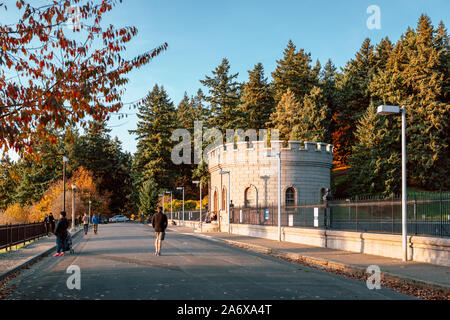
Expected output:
(375, 163)
(414, 78)
(293, 72)
(327, 82)
(223, 97)
(148, 197)
(285, 116)
(157, 120)
(257, 103)
(354, 99)
(313, 119)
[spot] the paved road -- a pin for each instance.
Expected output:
(119, 263)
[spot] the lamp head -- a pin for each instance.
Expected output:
(224, 172)
(388, 110)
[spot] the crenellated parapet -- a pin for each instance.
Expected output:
(255, 153)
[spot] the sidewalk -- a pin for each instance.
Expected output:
(420, 275)
(15, 260)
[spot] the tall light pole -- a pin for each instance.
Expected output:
(278, 155)
(182, 188)
(389, 110)
(162, 195)
(90, 202)
(229, 197)
(65, 159)
(73, 206)
(200, 183)
(171, 204)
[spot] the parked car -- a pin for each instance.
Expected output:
(118, 218)
(103, 220)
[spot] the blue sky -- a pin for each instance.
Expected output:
(200, 33)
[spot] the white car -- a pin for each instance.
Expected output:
(118, 218)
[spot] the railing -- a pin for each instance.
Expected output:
(15, 234)
(189, 215)
(428, 214)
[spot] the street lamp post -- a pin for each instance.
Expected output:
(171, 204)
(73, 206)
(162, 195)
(389, 110)
(65, 159)
(278, 155)
(229, 197)
(90, 202)
(182, 188)
(200, 183)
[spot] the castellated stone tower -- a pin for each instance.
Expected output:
(305, 174)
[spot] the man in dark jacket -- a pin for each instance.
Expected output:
(61, 234)
(52, 222)
(159, 223)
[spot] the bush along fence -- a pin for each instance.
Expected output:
(428, 214)
(16, 234)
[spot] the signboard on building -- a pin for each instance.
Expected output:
(291, 220)
(240, 216)
(266, 214)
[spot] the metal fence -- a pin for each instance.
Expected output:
(15, 234)
(189, 215)
(428, 214)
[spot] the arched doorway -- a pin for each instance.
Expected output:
(216, 203)
(250, 197)
(224, 198)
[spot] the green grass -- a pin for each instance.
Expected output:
(18, 247)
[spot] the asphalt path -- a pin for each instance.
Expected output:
(119, 263)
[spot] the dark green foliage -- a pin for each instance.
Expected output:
(223, 97)
(257, 102)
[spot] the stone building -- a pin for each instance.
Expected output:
(305, 174)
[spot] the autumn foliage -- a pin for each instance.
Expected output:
(52, 200)
(51, 75)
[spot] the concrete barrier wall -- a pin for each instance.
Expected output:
(420, 249)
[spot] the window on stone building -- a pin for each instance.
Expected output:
(290, 197)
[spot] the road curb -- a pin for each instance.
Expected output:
(31, 260)
(338, 266)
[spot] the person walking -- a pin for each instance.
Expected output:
(85, 223)
(46, 224)
(61, 234)
(95, 222)
(159, 223)
(51, 219)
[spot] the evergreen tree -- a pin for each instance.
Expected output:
(375, 163)
(294, 72)
(313, 119)
(257, 103)
(414, 78)
(223, 97)
(157, 120)
(148, 198)
(285, 116)
(354, 98)
(97, 152)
